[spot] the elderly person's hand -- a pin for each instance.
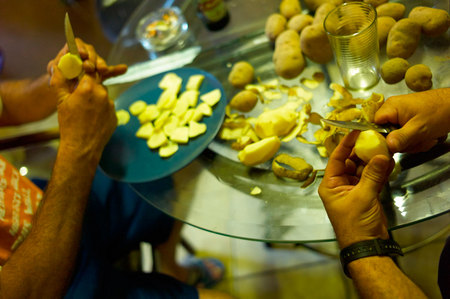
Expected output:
(424, 118)
(351, 201)
(92, 62)
(86, 115)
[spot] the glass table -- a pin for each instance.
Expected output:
(213, 192)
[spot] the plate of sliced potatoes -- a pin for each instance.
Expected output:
(164, 122)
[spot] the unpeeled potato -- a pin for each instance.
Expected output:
(392, 9)
(393, 70)
(384, 25)
(300, 21)
(275, 24)
(289, 8)
(433, 21)
(241, 74)
(418, 77)
(315, 44)
(403, 39)
(244, 101)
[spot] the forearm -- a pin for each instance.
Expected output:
(26, 100)
(43, 265)
(379, 277)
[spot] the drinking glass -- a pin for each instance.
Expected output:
(352, 32)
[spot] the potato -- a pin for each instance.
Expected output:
(433, 21)
(295, 168)
(322, 12)
(375, 3)
(314, 4)
(300, 21)
(259, 152)
(275, 24)
(288, 57)
(403, 39)
(418, 77)
(393, 10)
(244, 101)
(70, 66)
(277, 122)
(393, 70)
(241, 74)
(315, 45)
(289, 8)
(369, 144)
(384, 25)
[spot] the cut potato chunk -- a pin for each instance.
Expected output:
(211, 98)
(150, 113)
(70, 66)
(168, 150)
(180, 135)
(123, 117)
(137, 107)
(181, 106)
(205, 109)
(194, 82)
(157, 139)
(161, 120)
(145, 131)
(171, 124)
(171, 81)
(255, 190)
(191, 96)
(259, 152)
(167, 99)
(196, 129)
(187, 116)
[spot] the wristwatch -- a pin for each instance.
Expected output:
(375, 247)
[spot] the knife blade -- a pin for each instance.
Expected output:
(146, 69)
(384, 129)
(70, 37)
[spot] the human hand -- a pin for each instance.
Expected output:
(351, 201)
(424, 118)
(86, 115)
(92, 62)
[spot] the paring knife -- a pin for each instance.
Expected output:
(70, 37)
(384, 129)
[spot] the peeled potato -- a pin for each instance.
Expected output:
(123, 117)
(259, 152)
(70, 66)
(369, 144)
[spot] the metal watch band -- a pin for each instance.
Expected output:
(375, 247)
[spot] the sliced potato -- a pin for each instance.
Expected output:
(180, 135)
(123, 117)
(205, 109)
(211, 98)
(194, 82)
(196, 129)
(171, 124)
(150, 113)
(161, 120)
(191, 96)
(157, 139)
(137, 107)
(186, 117)
(145, 131)
(181, 106)
(167, 99)
(171, 81)
(168, 149)
(70, 66)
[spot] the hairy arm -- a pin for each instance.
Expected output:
(26, 100)
(379, 277)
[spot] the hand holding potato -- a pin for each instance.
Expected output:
(351, 201)
(424, 117)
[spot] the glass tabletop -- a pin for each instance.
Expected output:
(213, 192)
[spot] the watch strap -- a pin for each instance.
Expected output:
(374, 247)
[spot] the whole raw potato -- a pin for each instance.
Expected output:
(315, 45)
(418, 77)
(375, 3)
(290, 8)
(403, 39)
(241, 74)
(393, 70)
(384, 25)
(433, 21)
(322, 12)
(288, 57)
(275, 24)
(393, 10)
(244, 101)
(288, 37)
(300, 21)
(314, 4)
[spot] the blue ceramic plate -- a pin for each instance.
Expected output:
(128, 159)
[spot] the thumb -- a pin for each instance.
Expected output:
(375, 175)
(402, 138)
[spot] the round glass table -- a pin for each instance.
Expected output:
(213, 191)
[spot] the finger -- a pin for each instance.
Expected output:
(115, 70)
(375, 175)
(82, 48)
(59, 82)
(101, 65)
(399, 140)
(387, 113)
(350, 166)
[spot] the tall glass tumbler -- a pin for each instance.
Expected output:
(352, 32)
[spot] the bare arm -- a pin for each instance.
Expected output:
(43, 264)
(379, 277)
